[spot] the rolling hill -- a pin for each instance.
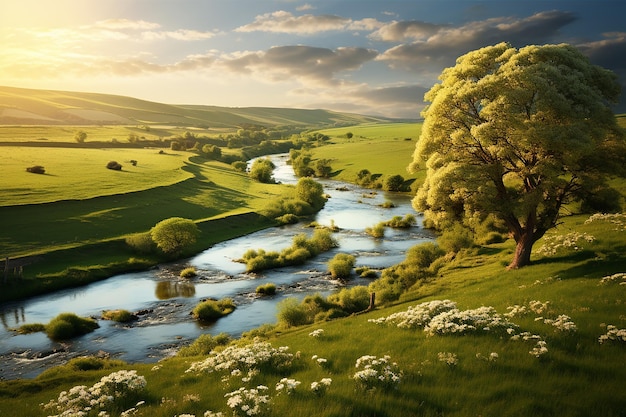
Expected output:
(21, 106)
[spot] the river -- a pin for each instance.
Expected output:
(165, 301)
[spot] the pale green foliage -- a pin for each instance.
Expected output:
(310, 191)
(174, 234)
(262, 170)
(341, 265)
(516, 133)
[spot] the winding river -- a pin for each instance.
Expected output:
(164, 301)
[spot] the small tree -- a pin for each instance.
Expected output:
(310, 191)
(173, 235)
(394, 183)
(262, 170)
(80, 136)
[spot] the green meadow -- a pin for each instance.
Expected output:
(382, 149)
(484, 373)
(73, 221)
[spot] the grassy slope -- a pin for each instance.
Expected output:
(26, 106)
(577, 377)
(382, 149)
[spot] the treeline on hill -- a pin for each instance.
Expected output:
(251, 141)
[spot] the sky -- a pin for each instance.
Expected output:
(374, 57)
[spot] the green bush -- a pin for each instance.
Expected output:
(377, 231)
(266, 289)
(211, 310)
(292, 314)
(352, 300)
(173, 235)
(394, 183)
(423, 255)
(92, 363)
(341, 265)
(456, 238)
(68, 325)
(188, 272)
(120, 316)
(311, 191)
(301, 249)
(204, 344)
(141, 242)
(288, 218)
(398, 222)
(31, 328)
(240, 166)
(262, 170)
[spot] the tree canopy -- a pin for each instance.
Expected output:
(517, 134)
(174, 234)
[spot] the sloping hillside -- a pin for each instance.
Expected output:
(46, 107)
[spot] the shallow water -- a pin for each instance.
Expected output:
(165, 301)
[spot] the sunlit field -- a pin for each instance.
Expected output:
(381, 149)
(77, 174)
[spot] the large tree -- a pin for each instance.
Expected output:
(517, 134)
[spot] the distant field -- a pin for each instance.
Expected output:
(381, 149)
(44, 134)
(73, 174)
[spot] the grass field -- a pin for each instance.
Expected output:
(486, 374)
(381, 149)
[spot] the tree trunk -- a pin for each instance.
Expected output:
(522, 251)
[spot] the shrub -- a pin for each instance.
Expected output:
(36, 169)
(174, 234)
(266, 289)
(423, 255)
(114, 165)
(405, 222)
(188, 272)
(120, 316)
(288, 218)
(240, 166)
(311, 191)
(141, 242)
(456, 238)
(91, 363)
(377, 231)
(68, 325)
(352, 300)
(341, 265)
(204, 344)
(211, 310)
(31, 328)
(292, 314)
(261, 170)
(394, 183)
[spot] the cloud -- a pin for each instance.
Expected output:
(301, 62)
(285, 22)
(121, 24)
(609, 52)
(447, 43)
(305, 7)
(411, 30)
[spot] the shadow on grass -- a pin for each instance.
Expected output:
(586, 264)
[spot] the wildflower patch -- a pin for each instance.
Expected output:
(373, 372)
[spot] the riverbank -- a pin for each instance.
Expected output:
(76, 266)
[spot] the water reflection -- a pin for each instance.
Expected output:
(173, 289)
